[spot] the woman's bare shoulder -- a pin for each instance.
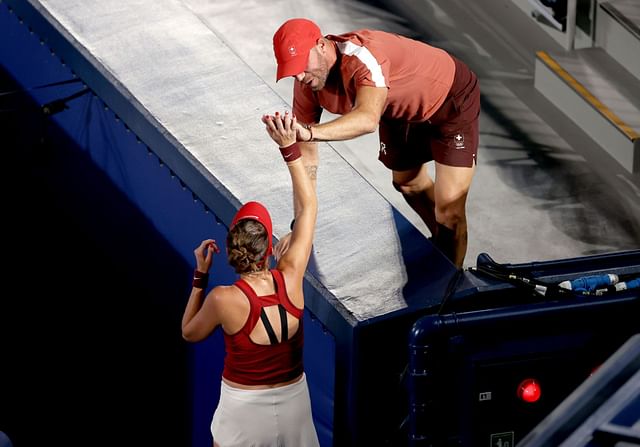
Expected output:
(226, 293)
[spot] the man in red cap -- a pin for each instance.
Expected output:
(424, 102)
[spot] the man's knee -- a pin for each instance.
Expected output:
(398, 187)
(408, 189)
(412, 182)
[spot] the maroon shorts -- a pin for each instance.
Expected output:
(450, 136)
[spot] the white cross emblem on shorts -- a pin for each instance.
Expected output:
(458, 141)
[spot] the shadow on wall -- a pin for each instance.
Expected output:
(90, 335)
(4, 440)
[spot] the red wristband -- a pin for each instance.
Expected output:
(200, 280)
(291, 152)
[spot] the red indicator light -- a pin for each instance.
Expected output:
(529, 390)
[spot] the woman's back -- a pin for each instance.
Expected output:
(267, 348)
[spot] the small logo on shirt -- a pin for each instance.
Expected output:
(458, 141)
(383, 148)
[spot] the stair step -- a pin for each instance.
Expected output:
(599, 95)
(618, 32)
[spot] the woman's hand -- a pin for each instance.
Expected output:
(281, 129)
(204, 255)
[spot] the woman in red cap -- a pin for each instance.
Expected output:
(264, 398)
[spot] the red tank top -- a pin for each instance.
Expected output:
(249, 363)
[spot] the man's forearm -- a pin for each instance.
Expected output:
(346, 127)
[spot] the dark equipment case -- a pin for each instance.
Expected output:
(504, 324)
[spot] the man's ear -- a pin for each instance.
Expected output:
(321, 43)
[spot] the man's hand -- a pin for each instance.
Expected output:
(282, 246)
(304, 132)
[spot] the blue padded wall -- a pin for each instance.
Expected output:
(162, 211)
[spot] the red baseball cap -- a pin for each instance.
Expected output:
(292, 43)
(256, 211)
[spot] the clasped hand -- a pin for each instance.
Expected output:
(283, 129)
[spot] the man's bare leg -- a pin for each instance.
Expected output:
(417, 188)
(440, 204)
(451, 189)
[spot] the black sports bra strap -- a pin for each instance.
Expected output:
(283, 322)
(267, 325)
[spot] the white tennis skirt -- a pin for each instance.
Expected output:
(272, 417)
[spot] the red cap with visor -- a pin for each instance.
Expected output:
(256, 211)
(292, 43)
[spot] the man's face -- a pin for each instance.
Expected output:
(317, 71)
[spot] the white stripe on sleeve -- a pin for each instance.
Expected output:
(362, 53)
